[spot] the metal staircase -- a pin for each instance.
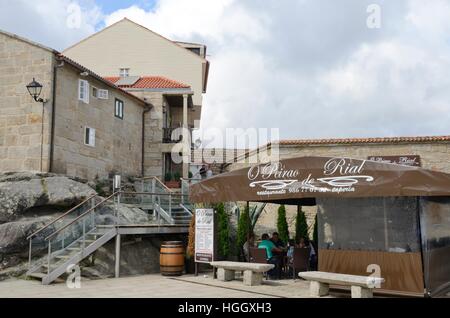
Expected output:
(68, 239)
(82, 230)
(171, 206)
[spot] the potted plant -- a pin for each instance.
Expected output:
(170, 182)
(176, 181)
(190, 250)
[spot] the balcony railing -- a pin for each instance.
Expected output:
(167, 136)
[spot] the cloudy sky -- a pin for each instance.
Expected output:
(312, 68)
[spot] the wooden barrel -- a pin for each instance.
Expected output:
(171, 259)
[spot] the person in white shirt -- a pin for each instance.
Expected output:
(246, 247)
(209, 173)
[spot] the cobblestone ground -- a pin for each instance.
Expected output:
(154, 286)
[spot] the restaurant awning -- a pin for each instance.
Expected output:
(300, 180)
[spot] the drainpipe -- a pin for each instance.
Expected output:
(52, 132)
(147, 108)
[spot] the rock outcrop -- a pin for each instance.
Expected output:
(19, 192)
(28, 201)
(139, 256)
(127, 214)
(13, 235)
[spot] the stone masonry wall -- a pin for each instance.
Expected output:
(153, 148)
(434, 156)
(118, 142)
(24, 133)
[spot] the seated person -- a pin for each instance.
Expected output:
(276, 240)
(304, 243)
(270, 248)
(290, 251)
(246, 247)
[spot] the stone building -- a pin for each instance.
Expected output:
(430, 152)
(93, 126)
(136, 58)
(76, 129)
(171, 105)
(214, 159)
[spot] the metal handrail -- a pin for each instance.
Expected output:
(81, 216)
(145, 178)
(157, 179)
(155, 193)
(186, 209)
(162, 183)
(61, 216)
(163, 213)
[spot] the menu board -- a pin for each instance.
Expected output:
(204, 235)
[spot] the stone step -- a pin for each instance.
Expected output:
(37, 275)
(40, 276)
(63, 256)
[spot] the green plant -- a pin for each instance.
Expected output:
(301, 227)
(176, 176)
(316, 231)
(99, 190)
(282, 225)
(191, 239)
(168, 177)
(244, 228)
(190, 175)
(223, 227)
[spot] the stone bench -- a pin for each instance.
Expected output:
(253, 272)
(361, 286)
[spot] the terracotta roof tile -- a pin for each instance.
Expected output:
(77, 65)
(343, 141)
(151, 82)
(365, 140)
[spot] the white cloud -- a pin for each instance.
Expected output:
(310, 67)
(216, 20)
(46, 21)
(430, 19)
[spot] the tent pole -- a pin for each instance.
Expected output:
(386, 237)
(249, 221)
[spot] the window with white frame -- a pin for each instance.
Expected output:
(118, 109)
(124, 72)
(100, 93)
(89, 136)
(103, 94)
(83, 91)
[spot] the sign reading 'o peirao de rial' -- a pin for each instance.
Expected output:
(287, 181)
(338, 175)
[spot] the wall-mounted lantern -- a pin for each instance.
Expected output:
(35, 89)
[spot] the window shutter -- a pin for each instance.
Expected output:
(86, 92)
(92, 137)
(86, 136)
(81, 90)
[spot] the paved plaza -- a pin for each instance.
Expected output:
(156, 286)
